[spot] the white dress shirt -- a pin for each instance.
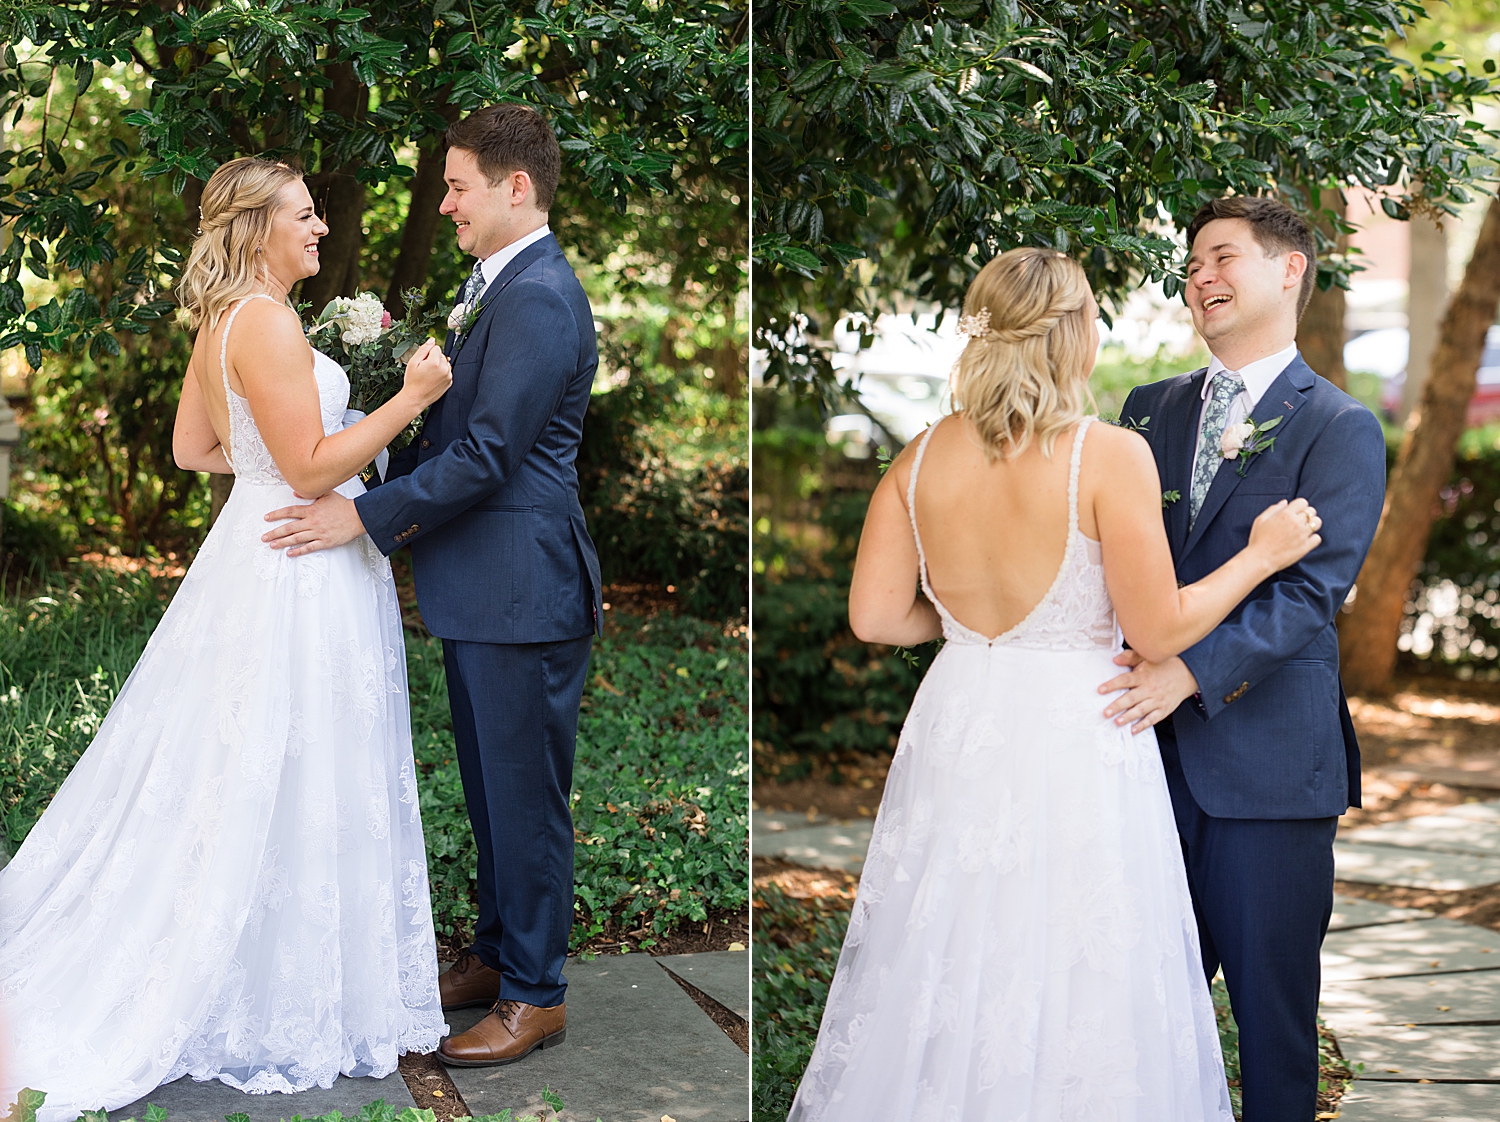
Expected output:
(492, 265)
(1257, 376)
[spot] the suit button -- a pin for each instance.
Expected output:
(426, 444)
(412, 529)
(1182, 584)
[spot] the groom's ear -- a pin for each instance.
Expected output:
(518, 188)
(1296, 269)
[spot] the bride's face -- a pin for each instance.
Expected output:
(290, 250)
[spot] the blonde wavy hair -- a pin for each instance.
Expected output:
(1021, 377)
(239, 201)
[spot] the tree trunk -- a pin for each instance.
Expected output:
(422, 220)
(420, 232)
(219, 487)
(1368, 631)
(1320, 334)
(1426, 299)
(342, 199)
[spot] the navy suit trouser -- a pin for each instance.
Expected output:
(515, 720)
(1263, 893)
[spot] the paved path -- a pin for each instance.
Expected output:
(1414, 998)
(818, 843)
(638, 1048)
(187, 1101)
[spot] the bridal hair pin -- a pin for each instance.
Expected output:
(975, 326)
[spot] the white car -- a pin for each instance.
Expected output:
(1384, 352)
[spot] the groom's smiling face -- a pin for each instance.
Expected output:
(479, 209)
(1235, 287)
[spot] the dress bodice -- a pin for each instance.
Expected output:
(1075, 614)
(247, 453)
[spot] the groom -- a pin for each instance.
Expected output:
(1259, 752)
(506, 575)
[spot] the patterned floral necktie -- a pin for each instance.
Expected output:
(473, 286)
(1227, 386)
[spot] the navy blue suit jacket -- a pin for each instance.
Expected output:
(487, 495)
(1269, 735)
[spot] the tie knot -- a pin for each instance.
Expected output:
(1227, 383)
(475, 284)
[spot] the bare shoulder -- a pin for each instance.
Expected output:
(1109, 446)
(267, 323)
(898, 473)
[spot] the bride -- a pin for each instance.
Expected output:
(1022, 947)
(232, 884)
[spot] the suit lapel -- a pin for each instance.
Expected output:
(488, 298)
(1181, 442)
(1282, 399)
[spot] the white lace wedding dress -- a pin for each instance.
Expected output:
(232, 883)
(1022, 947)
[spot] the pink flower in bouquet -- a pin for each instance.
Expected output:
(385, 320)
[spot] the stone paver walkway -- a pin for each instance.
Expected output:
(638, 1048)
(1416, 999)
(818, 843)
(1457, 849)
(187, 1101)
(722, 975)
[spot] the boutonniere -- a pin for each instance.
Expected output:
(462, 317)
(1169, 497)
(1247, 440)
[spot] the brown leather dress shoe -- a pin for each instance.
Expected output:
(467, 983)
(512, 1030)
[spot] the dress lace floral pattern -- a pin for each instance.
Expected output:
(1022, 947)
(232, 883)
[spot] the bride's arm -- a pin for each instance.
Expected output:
(274, 361)
(195, 445)
(1159, 619)
(885, 604)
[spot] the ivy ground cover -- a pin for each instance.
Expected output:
(660, 799)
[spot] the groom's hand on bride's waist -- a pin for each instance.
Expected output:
(1152, 690)
(331, 520)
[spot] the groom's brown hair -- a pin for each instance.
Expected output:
(1276, 227)
(510, 138)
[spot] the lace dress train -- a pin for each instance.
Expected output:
(1022, 947)
(232, 884)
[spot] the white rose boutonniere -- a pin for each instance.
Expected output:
(1247, 440)
(1234, 438)
(458, 317)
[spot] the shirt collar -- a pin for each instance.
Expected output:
(1257, 375)
(495, 262)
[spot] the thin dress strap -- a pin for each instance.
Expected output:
(224, 360)
(911, 510)
(1083, 428)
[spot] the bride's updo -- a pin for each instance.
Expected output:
(1020, 377)
(238, 204)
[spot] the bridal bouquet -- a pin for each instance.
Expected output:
(375, 348)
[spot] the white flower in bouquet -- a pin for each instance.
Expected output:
(362, 318)
(1233, 440)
